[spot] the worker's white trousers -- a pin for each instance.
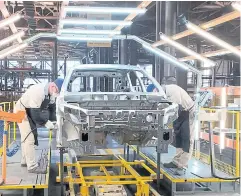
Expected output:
(27, 142)
(181, 158)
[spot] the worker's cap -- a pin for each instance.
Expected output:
(59, 83)
(150, 88)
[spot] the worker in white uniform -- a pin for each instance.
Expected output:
(39, 103)
(183, 126)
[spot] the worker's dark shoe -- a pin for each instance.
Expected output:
(179, 172)
(23, 165)
(170, 165)
(37, 170)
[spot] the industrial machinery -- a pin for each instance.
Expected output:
(97, 100)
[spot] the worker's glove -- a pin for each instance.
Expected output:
(50, 125)
(162, 106)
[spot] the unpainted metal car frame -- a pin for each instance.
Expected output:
(100, 100)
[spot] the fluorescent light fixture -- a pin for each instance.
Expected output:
(12, 49)
(213, 38)
(11, 38)
(87, 32)
(167, 57)
(95, 22)
(187, 50)
(236, 6)
(112, 10)
(9, 20)
(77, 38)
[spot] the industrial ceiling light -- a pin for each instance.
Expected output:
(187, 50)
(236, 6)
(213, 39)
(95, 22)
(87, 32)
(11, 38)
(12, 50)
(167, 57)
(9, 20)
(77, 38)
(112, 10)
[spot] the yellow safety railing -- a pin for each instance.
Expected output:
(12, 127)
(224, 167)
(229, 169)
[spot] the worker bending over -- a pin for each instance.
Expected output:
(183, 126)
(39, 103)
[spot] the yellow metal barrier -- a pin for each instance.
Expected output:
(178, 180)
(12, 127)
(224, 167)
(7, 107)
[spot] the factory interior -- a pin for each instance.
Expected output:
(120, 98)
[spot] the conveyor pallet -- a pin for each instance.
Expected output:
(18, 178)
(125, 174)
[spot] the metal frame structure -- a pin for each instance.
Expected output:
(127, 175)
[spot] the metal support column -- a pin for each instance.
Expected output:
(55, 60)
(170, 7)
(6, 75)
(158, 172)
(61, 154)
(181, 74)
(123, 57)
(65, 65)
(102, 53)
(236, 73)
(87, 56)
(160, 25)
(133, 60)
(110, 61)
(110, 54)
(213, 77)
(98, 56)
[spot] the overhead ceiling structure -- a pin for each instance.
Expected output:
(62, 18)
(52, 16)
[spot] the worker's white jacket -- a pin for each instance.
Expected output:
(179, 96)
(33, 97)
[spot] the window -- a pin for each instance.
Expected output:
(108, 81)
(99, 81)
(139, 80)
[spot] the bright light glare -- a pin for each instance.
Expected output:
(95, 22)
(11, 38)
(87, 32)
(105, 10)
(187, 50)
(213, 39)
(76, 38)
(13, 50)
(9, 20)
(236, 6)
(165, 56)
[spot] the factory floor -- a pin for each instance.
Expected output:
(196, 168)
